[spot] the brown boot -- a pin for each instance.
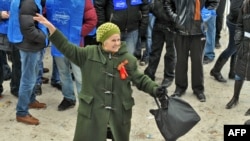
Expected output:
(28, 119)
(37, 105)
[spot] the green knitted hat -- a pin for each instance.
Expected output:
(105, 30)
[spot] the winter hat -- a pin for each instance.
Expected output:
(105, 30)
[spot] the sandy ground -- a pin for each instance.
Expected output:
(59, 126)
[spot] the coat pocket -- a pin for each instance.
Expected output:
(127, 111)
(85, 105)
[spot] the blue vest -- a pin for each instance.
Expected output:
(67, 16)
(14, 33)
(4, 6)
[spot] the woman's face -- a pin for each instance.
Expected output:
(113, 43)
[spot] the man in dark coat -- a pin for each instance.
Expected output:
(189, 41)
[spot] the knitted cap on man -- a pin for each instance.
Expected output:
(105, 30)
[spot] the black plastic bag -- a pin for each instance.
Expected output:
(175, 119)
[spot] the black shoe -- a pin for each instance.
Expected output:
(247, 112)
(66, 104)
(201, 97)
(178, 93)
(217, 76)
(45, 70)
(166, 82)
(207, 60)
(56, 85)
(143, 62)
(38, 90)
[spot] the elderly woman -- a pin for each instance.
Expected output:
(107, 70)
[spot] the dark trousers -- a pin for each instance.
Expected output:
(16, 70)
(2, 55)
(161, 35)
(193, 46)
(219, 19)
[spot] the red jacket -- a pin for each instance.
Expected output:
(90, 18)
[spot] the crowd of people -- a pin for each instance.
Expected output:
(99, 43)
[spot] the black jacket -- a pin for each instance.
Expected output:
(242, 41)
(34, 39)
(158, 8)
(182, 13)
(234, 10)
(132, 18)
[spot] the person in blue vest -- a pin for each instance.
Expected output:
(30, 38)
(6, 46)
(72, 19)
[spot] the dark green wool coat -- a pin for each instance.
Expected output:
(105, 99)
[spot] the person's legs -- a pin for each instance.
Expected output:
(146, 53)
(169, 59)
(181, 69)
(210, 41)
(16, 71)
(222, 59)
(131, 39)
(55, 78)
(6, 67)
(39, 81)
(219, 22)
(26, 97)
(238, 83)
(156, 50)
(197, 76)
(1, 72)
(69, 99)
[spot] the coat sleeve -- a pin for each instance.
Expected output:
(90, 18)
(239, 29)
(145, 18)
(100, 11)
(170, 9)
(28, 26)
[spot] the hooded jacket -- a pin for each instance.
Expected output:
(186, 14)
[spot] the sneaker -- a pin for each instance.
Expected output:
(66, 104)
(207, 60)
(38, 90)
(28, 119)
(37, 105)
(56, 85)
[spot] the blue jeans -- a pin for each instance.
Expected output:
(30, 67)
(210, 38)
(64, 67)
(149, 35)
(55, 78)
(131, 39)
(40, 71)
